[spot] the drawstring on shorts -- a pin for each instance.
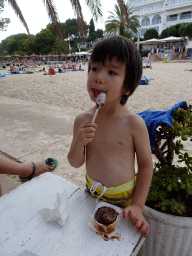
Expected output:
(94, 187)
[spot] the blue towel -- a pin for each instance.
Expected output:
(155, 118)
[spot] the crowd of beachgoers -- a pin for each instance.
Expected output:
(49, 67)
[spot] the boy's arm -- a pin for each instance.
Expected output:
(144, 175)
(144, 161)
(83, 134)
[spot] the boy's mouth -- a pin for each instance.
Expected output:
(96, 92)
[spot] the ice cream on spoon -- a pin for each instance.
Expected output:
(100, 101)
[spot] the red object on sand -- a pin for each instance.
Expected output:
(52, 71)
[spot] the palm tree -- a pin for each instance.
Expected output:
(94, 6)
(122, 21)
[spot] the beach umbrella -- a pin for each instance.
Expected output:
(152, 41)
(83, 53)
(33, 55)
(171, 39)
(16, 55)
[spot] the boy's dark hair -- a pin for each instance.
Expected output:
(125, 51)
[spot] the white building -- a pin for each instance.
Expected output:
(160, 14)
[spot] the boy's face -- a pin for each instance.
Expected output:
(107, 78)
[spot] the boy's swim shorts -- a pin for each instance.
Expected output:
(120, 196)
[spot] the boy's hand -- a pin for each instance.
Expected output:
(86, 133)
(136, 216)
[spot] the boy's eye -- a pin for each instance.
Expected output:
(94, 69)
(112, 72)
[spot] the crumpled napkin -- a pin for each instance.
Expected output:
(59, 212)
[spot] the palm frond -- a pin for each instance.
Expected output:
(125, 21)
(95, 8)
(111, 28)
(18, 12)
(52, 13)
(77, 7)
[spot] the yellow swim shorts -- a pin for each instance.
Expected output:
(120, 196)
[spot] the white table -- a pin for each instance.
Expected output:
(23, 232)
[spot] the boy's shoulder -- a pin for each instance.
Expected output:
(134, 120)
(85, 116)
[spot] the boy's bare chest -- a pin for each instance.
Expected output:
(112, 135)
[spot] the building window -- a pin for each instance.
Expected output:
(142, 31)
(185, 15)
(157, 28)
(183, 1)
(145, 21)
(156, 19)
(172, 17)
(160, 6)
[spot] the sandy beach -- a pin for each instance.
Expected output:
(169, 83)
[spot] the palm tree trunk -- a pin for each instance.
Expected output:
(123, 9)
(121, 30)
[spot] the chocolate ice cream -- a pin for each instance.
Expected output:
(106, 215)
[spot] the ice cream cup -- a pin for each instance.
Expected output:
(105, 229)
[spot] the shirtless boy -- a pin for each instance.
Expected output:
(109, 145)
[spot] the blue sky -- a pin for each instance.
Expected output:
(36, 16)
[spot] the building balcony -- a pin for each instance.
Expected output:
(176, 5)
(140, 3)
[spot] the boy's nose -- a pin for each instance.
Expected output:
(100, 77)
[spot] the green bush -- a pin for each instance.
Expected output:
(178, 30)
(150, 34)
(171, 187)
(143, 53)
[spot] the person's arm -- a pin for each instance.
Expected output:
(144, 176)
(83, 134)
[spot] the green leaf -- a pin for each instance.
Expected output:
(189, 189)
(163, 208)
(169, 187)
(166, 202)
(184, 137)
(183, 186)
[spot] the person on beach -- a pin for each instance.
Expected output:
(51, 71)
(149, 59)
(108, 146)
(25, 171)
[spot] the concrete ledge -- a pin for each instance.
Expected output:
(8, 183)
